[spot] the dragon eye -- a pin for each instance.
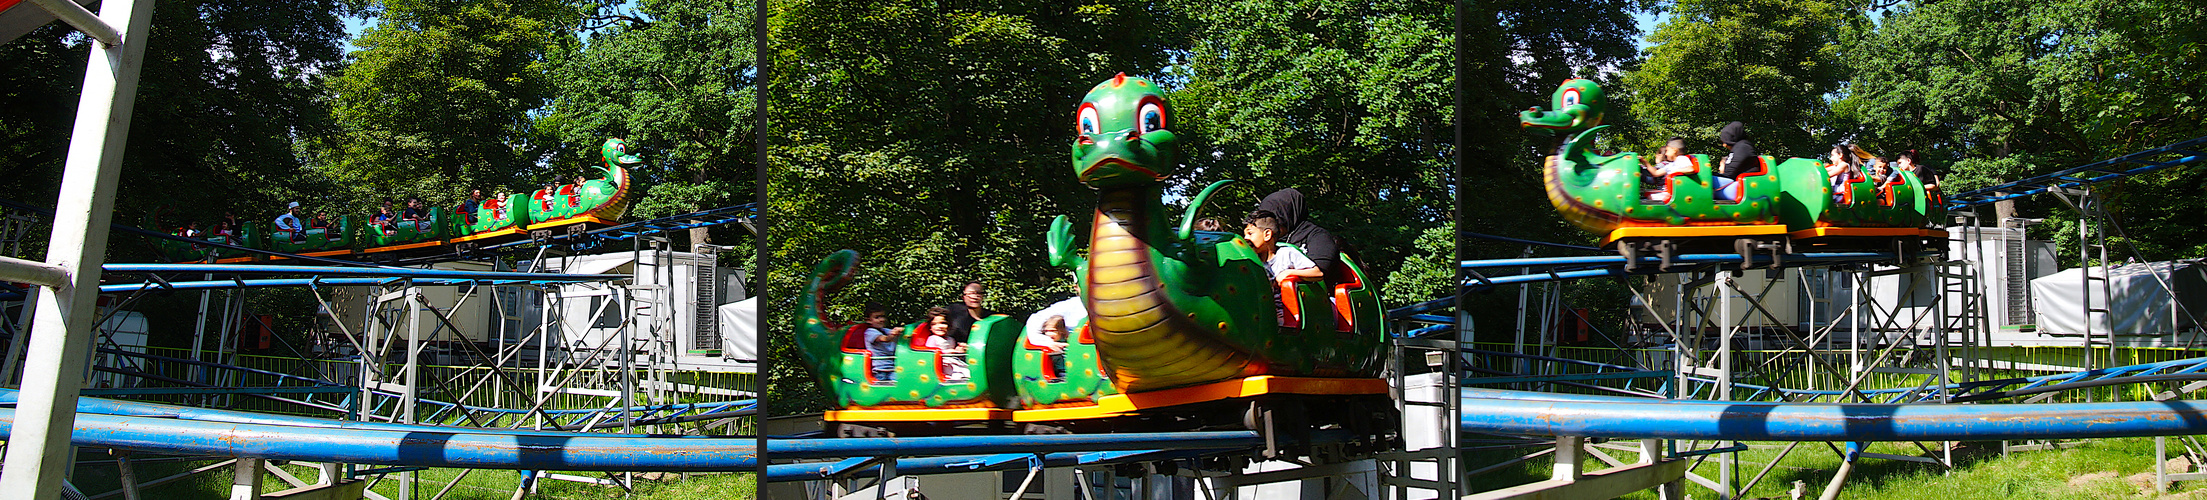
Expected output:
(1152, 116)
(1571, 97)
(1088, 121)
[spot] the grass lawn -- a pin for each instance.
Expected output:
(2094, 469)
(95, 479)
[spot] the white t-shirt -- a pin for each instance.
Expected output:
(288, 222)
(1286, 258)
(1073, 310)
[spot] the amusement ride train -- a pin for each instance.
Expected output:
(1181, 331)
(561, 210)
(1780, 207)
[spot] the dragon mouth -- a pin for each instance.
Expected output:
(1122, 163)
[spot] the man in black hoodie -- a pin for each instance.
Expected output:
(1316, 242)
(1743, 158)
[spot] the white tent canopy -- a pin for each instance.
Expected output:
(2145, 299)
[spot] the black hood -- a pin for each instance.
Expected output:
(1287, 206)
(1732, 133)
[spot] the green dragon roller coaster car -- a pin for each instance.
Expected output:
(1183, 318)
(600, 201)
(1782, 205)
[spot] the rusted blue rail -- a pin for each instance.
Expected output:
(2163, 371)
(442, 411)
(1542, 414)
(421, 446)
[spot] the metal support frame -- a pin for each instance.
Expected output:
(58, 349)
(1441, 458)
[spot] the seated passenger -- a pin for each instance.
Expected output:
(466, 209)
(320, 221)
(497, 206)
(881, 344)
(1742, 159)
(1208, 224)
(1840, 169)
(1053, 345)
(1295, 227)
(1906, 162)
(414, 213)
(953, 353)
(1262, 230)
(544, 196)
(1882, 176)
(383, 219)
(1655, 177)
(192, 231)
(289, 222)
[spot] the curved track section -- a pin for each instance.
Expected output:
(1578, 373)
(1539, 414)
(157, 428)
(564, 419)
(420, 446)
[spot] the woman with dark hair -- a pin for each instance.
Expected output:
(1318, 244)
(1840, 168)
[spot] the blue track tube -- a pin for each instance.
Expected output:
(295, 282)
(1699, 258)
(420, 448)
(1595, 416)
(349, 271)
(141, 409)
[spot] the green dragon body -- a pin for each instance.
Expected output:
(605, 199)
(1604, 193)
(1166, 308)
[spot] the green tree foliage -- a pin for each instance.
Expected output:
(1347, 101)
(676, 80)
(226, 84)
(439, 95)
(1512, 55)
(2002, 89)
(931, 137)
(1766, 63)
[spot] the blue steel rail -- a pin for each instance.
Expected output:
(441, 411)
(2186, 152)
(354, 276)
(204, 432)
(1584, 374)
(167, 429)
(1548, 414)
(1540, 269)
(683, 222)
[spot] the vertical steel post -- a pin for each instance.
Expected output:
(55, 358)
(199, 327)
(1726, 327)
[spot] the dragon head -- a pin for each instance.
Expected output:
(1579, 106)
(1123, 136)
(615, 152)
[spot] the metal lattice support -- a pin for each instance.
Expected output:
(57, 350)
